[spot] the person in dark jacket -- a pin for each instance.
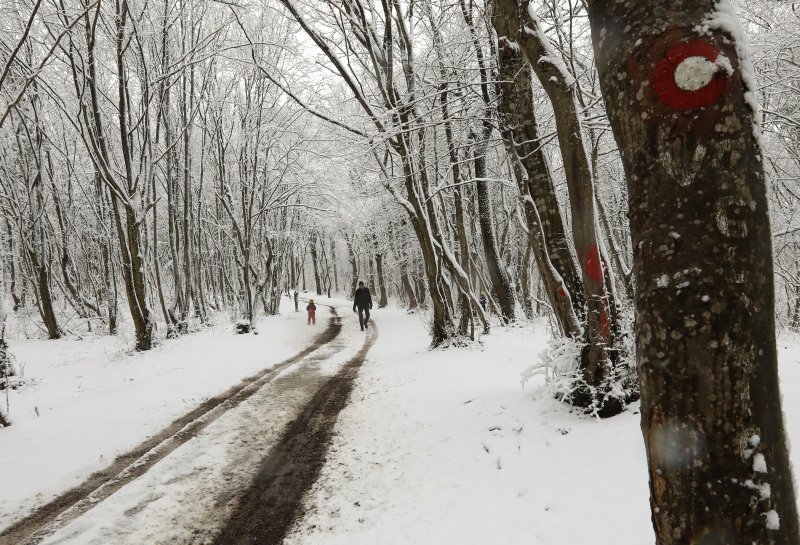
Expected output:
(362, 302)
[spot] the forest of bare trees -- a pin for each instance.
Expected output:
(165, 163)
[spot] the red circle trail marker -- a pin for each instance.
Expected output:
(692, 75)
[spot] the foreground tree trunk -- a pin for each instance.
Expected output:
(678, 93)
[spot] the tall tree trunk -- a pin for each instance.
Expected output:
(679, 95)
(383, 301)
(335, 266)
(371, 269)
(795, 321)
(315, 263)
(407, 287)
(12, 267)
(551, 250)
(558, 84)
(525, 277)
(44, 296)
(133, 275)
(353, 267)
(110, 289)
(500, 282)
(187, 102)
(596, 366)
(106, 243)
(518, 119)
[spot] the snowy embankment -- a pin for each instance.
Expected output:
(90, 400)
(447, 447)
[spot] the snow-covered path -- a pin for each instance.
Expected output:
(91, 400)
(188, 496)
(199, 481)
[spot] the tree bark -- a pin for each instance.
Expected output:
(383, 300)
(353, 267)
(315, 263)
(500, 282)
(407, 287)
(552, 254)
(703, 268)
(596, 366)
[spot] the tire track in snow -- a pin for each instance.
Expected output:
(131, 465)
(273, 502)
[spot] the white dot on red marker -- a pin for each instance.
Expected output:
(694, 73)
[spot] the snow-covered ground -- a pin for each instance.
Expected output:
(436, 447)
(447, 447)
(91, 399)
(186, 497)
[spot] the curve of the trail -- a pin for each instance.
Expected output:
(128, 467)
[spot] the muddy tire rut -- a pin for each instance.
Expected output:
(274, 501)
(131, 465)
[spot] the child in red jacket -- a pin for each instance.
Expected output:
(312, 311)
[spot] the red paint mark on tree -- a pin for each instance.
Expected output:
(561, 291)
(605, 325)
(593, 265)
(665, 85)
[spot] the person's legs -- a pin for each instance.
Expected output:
(314, 319)
(361, 318)
(366, 317)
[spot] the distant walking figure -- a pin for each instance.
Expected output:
(483, 301)
(362, 302)
(312, 312)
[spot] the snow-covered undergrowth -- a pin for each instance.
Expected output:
(559, 364)
(448, 447)
(86, 401)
